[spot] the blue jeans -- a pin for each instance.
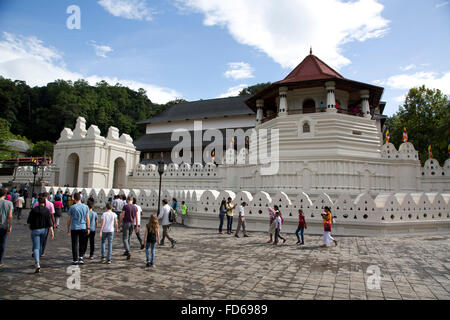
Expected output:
(3, 236)
(38, 237)
(150, 245)
(107, 236)
(221, 217)
(301, 233)
(229, 223)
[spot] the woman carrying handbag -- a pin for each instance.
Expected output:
(327, 222)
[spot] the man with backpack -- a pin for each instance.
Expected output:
(165, 217)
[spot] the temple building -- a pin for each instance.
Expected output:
(310, 90)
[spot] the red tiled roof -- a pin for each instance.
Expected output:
(311, 68)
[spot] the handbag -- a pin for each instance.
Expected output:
(327, 227)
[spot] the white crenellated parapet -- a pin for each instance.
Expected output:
(407, 151)
(208, 201)
(400, 210)
(343, 207)
(260, 204)
(390, 206)
(431, 168)
(388, 151)
(365, 209)
(281, 199)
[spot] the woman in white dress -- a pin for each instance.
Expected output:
(327, 222)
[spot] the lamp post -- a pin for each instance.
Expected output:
(160, 171)
(35, 172)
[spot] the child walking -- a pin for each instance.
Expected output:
(278, 228)
(301, 226)
(93, 218)
(151, 238)
(109, 224)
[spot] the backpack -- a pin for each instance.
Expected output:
(171, 215)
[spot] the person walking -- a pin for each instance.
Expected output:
(20, 202)
(174, 210)
(183, 212)
(230, 207)
(241, 221)
(58, 210)
(272, 216)
(151, 239)
(51, 208)
(109, 224)
(66, 201)
(222, 212)
(40, 223)
(6, 219)
(138, 220)
(93, 223)
(128, 223)
(78, 228)
(327, 222)
(165, 222)
(301, 227)
(278, 224)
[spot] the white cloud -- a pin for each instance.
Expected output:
(408, 67)
(441, 4)
(285, 29)
(101, 50)
(27, 59)
(128, 9)
(233, 91)
(429, 79)
(239, 70)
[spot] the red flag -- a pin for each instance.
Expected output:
(405, 136)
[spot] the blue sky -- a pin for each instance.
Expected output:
(200, 49)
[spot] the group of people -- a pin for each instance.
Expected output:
(18, 199)
(124, 214)
(275, 223)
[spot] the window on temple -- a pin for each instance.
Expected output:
(306, 128)
(309, 106)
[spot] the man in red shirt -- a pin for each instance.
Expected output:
(301, 226)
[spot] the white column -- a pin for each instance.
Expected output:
(259, 110)
(365, 103)
(283, 101)
(331, 100)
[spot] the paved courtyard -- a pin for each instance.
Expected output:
(206, 265)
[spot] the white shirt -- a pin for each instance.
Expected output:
(278, 222)
(241, 211)
(164, 215)
(109, 217)
(138, 214)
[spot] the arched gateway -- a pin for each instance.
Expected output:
(83, 158)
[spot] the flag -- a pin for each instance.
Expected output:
(213, 155)
(247, 144)
(232, 143)
(387, 135)
(405, 136)
(430, 153)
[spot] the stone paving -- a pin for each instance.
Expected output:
(206, 265)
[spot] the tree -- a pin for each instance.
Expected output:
(426, 116)
(5, 135)
(254, 89)
(42, 148)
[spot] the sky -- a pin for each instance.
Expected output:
(203, 49)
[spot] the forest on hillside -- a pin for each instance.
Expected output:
(40, 113)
